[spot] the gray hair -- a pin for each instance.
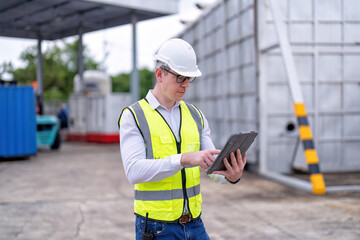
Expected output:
(159, 64)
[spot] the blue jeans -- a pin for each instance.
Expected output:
(188, 231)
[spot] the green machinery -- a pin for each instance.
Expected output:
(47, 133)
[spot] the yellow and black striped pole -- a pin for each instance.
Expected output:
(316, 177)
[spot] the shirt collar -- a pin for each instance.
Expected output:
(154, 103)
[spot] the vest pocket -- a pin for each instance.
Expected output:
(192, 146)
(158, 206)
(194, 175)
(166, 139)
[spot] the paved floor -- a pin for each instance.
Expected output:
(80, 192)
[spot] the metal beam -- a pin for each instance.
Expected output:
(289, 181)
(80, 58)
(305, 132)
(39, 77)
(134, 84)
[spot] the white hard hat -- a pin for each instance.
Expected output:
(179, 56)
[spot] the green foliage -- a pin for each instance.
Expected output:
(59, 68)
(146, 81)
(121, 82)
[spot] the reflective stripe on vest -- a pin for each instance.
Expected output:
(139, 113)
(166, 195)
(164, 200)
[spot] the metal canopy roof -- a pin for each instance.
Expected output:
(54, 19)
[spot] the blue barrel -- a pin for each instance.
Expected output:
(17, 121)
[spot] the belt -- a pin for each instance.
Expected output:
(185, 219)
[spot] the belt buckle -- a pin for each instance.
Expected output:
(184, 219)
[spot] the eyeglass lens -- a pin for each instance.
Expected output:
(180, 78)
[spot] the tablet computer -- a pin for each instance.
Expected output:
(241, 140)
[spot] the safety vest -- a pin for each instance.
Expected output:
(164, 200)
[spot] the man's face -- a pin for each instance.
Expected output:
(171, 89)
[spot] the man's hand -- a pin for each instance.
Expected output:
(203, 158)
(235, 170)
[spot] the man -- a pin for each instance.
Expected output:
(63, 116)
(164, 142)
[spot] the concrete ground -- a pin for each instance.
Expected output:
(80, 192)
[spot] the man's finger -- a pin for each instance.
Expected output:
(244, 159)
(227, 164)
(210, 157)
(208, 161)
(203, 165)
(233, 159)
(239, 157)
(214, 151)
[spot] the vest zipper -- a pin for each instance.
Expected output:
(183, 174)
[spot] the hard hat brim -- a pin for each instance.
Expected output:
(167, 62)
(197, 73)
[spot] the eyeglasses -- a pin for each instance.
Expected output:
(180, 78)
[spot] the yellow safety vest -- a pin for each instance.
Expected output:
(164, 200)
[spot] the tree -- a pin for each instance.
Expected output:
(147, 78)
(121, 82)
(59, 68)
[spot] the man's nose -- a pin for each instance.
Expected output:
(185, 83)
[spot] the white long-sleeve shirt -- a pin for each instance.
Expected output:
(138, 168)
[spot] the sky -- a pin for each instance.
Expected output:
(113, 46)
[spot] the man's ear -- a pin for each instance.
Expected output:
(158, 75)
